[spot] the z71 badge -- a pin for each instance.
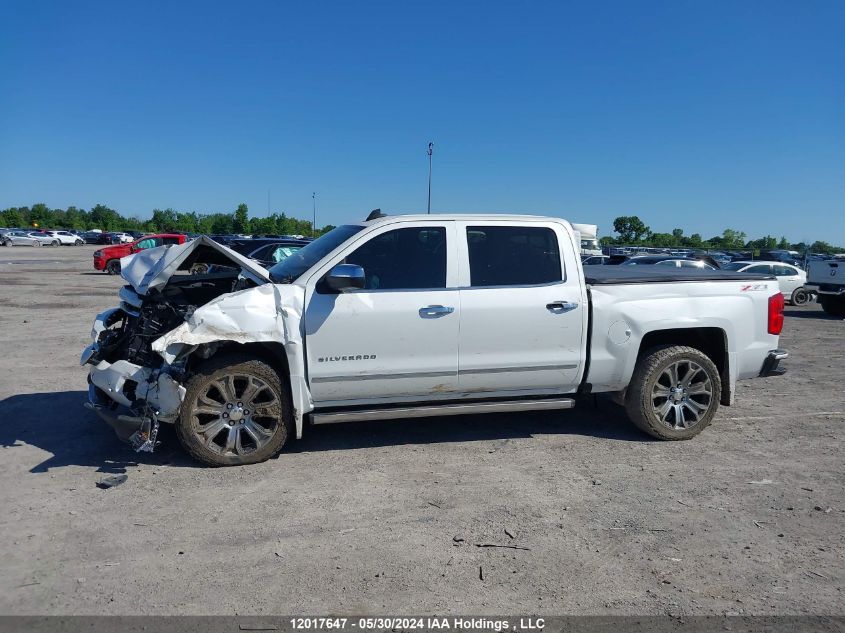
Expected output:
(753, 287)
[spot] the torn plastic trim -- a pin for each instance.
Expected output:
(151, 269)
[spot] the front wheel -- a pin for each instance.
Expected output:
(800, 297)
(113, 267)
(674, 392)
(236, 411)
(36, 244)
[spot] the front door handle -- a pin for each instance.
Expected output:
(561, 306)
(436, 311)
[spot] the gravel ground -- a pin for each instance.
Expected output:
(387, 517)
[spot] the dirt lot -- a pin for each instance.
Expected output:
(385, 517)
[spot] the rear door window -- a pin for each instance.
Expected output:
(784, 271)
(513, 255)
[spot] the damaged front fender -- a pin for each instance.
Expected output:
(265, 314)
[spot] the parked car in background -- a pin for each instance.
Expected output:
(595, 260)
(108, 259)
(66, 238)
(791, 279)
(29, 238)
(225, 240)
(91, 237)
(704, 263)
(267, 252)
(104, 237)
(123, 238)
(719, 256)
(779, 255)
(827, 280)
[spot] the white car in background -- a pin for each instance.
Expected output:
(67, 238)
(123, 238)
(791, 279)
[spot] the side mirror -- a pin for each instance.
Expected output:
(346, 277)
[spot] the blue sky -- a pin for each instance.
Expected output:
(699, 115)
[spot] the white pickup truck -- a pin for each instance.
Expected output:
(412, 316)
(827, 280)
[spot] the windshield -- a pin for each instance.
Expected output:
(292, 267)
(735, 266)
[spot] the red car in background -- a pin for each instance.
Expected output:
(108, 259)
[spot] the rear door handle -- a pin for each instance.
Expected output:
(436, 311)
(561, 306)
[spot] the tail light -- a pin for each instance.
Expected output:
(776, 314)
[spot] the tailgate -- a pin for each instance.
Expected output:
(828, 272)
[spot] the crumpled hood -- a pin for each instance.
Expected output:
(151, 269)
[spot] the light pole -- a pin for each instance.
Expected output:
(314, 211)
(430, 152)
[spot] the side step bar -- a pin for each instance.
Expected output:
(429, 411)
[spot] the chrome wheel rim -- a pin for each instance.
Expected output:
(236, 415)
(682, 395)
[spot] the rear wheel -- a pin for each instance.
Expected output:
(113, 267)
(36, 244)
(674, 392)
(236, 411)
(799, 297)
(55, 243)
(834, 306)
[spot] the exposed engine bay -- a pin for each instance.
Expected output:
(131, 330)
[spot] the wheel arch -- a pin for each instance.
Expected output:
(711, 341)
(272, 353)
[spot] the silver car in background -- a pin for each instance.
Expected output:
(791, 279)
(28, 238)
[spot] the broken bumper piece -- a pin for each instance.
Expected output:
(133, 399)
(139, 431)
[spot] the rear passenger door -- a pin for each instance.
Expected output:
(522, 308)
(788, 279)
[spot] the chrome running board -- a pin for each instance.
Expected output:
(429, 411)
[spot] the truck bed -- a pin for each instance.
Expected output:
(615, 275)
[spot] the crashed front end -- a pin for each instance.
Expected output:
(136, 376)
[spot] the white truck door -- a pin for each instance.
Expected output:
(397, 338)
(523, 312)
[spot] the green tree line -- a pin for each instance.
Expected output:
(632, 231)
(107, 219)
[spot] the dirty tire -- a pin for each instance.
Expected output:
(799, 297)
(113, 267)
(643, 402)
(834, 306)
(249, 439)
